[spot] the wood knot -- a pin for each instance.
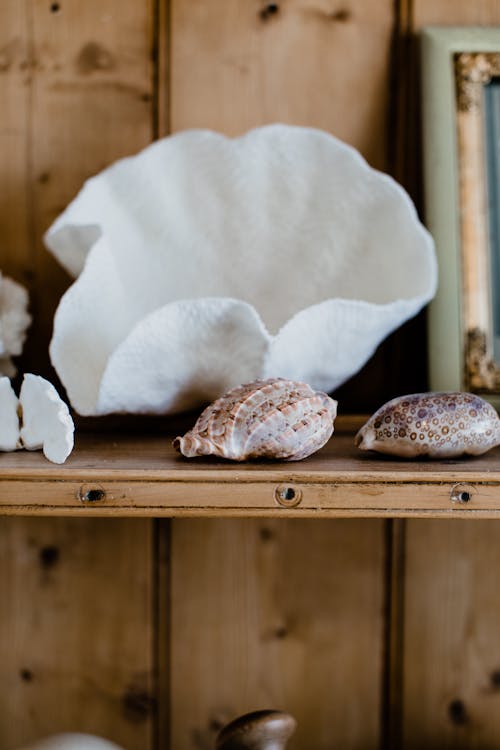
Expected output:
(49, 557)
(495, 679)
(457, 712)
(341, 15)
(137, 704)
(94, 57)
(266, 534)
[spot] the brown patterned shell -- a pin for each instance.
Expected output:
(273, 418)
(437, 425)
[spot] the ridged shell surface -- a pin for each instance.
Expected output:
(437, 425)
(273, 418)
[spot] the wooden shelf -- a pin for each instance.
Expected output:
(135, 475)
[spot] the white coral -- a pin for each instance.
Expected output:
(38, 419)
(14, 320)
(46, 421)
(9, 417)
(210, 261)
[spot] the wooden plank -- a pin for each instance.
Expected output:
(143, 476)
(452, 654)
(237, 65)
(90, 102)
(458, 13)
(277, 615)
(76, 89)
(76, 653)
(152, 459)
(361, 499)
(450, 629)
(15, 246)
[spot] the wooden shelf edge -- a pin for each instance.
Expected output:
(142, 476)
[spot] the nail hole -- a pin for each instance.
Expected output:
(271, 9)
(49, 556)
(55, 8)
(26, 675)
(457, 712)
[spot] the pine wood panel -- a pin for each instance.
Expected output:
(15, 245)
(82, 78)
(452, 657)
(282, 614)
(457, 13)
(76, 630)
(76, 92)
(450, 630)
(236, 65)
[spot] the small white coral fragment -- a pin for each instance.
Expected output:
(273, 418)
(9, 419)
(46, 421)
(14, 320)
(72, 741)
(437, 425)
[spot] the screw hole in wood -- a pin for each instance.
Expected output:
(91, 494)
(461, 493)
(55, 7)
(287, 496)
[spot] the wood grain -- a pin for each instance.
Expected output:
(457, 13)
(451, 665)
(16, 258)
(238, 65)
(451, 607)
(76, 92)
(81, 92)
(145, 476)
(76, 653)
(277, 614)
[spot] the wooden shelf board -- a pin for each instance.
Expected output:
(143, 475)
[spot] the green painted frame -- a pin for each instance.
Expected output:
(452, 68)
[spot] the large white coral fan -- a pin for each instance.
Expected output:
(210, 261)
(14, 320)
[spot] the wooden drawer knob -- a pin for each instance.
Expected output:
(260, 730)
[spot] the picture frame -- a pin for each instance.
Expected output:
(461, 147)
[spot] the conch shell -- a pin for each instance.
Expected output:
(437, 425)
(273, 418)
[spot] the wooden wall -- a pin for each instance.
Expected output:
(374, 634)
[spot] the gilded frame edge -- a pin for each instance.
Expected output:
(452, 59)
